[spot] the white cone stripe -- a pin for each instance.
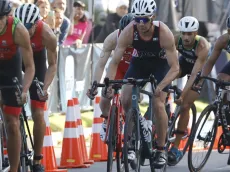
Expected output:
(96, 128)
(81, 130)
(46, 118)
(97, 111)
(78, 112)
(48, 141)
(70, 116)
(71, 133)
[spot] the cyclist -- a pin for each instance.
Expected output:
(11, 34)
(108, 46)
(194, 52)
(43, 41)
(222, 43)
(154, 53)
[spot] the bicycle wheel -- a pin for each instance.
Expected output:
(112, 139)
(130, 140)
(207, 122)
(23, 154)
(172, 129)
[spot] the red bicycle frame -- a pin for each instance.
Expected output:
(118, 121)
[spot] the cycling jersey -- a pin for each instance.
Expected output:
(188, 56)
(40, 56)
(7, 46)
(36, 39)
(226, 68)
(10, 66)
(125, 61)
(148, 57)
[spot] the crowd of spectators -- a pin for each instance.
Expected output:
(78, 28)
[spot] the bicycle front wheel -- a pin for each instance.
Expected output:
(111, 139)
(202, 138)
(131, 142)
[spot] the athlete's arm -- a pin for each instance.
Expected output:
(168, 43)
(108, 46)
(22, 39)
(219, 45)
(202, 54)
(125, 39)
(50, 42)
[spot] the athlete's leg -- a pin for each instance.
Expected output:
(12, 123)
(184, 115)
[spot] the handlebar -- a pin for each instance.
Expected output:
(116, 84)
(219, 83)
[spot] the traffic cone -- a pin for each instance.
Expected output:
(71, 156)
(98, 149)
(81, 132)
(49, 158)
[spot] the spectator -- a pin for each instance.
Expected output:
(15, 4)
(97, 29)
(64, 29)
(78, 25)
(112, 20)
(88, 29)
(46, 13)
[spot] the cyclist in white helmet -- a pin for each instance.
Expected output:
(44, 44)
(194, 52)
(154, 53)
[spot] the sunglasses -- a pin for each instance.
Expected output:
(142, 20)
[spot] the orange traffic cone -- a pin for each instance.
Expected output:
(49, 159)
(98, 149)
(81, 132)
(71, 156)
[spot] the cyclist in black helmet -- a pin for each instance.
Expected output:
(12, 32)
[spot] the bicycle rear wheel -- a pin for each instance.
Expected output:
(206, 134)
(172, 129)
(130, 140)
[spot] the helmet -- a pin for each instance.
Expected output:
(5, 7)
(228, 22)
(28, 14)
(125, 20)
(144, 7)
(188, 24)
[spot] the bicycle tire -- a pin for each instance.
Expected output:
(23, 165)
(111, 139)
(128, 119)
(205, 113)
(171, 130)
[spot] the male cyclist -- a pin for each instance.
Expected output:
(11, 34)
(194, 52)
(108, 46)
(154, 53)
(43, 41)
(222, 43)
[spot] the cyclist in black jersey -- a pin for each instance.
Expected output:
(194, 52)
(222, 43)
(13, 37)
(154, 53)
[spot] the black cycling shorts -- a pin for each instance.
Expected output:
(9, 69)
(185, 67)
(141, 68)
(40, 71)
(226, 69)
